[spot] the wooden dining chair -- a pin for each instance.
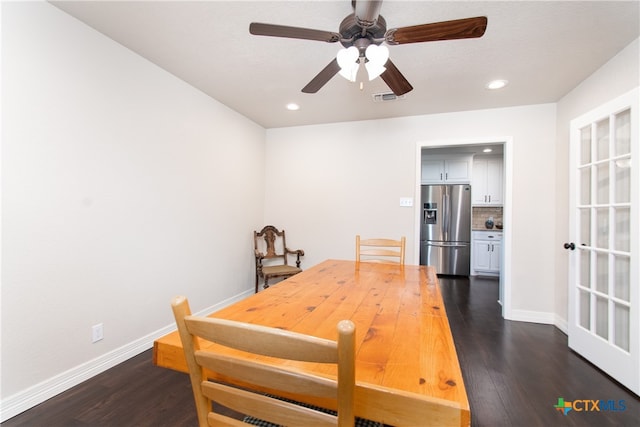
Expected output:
(380, 250)
(253, 340)
(272, 255)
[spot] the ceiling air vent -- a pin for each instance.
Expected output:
(386, 96)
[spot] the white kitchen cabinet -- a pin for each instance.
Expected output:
(486, 186)
(486, 252)
(452, 170)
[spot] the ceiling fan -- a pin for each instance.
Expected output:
(364, 31)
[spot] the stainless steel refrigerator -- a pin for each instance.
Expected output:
(445, 232)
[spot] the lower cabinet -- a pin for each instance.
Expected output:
(486, 253)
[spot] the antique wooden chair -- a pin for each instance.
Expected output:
(271, 252)
(243, 367)
(380, 250)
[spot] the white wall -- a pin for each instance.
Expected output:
(122, 186)
(618, 76)
(327, 183)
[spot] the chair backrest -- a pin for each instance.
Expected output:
(261, 340)
(380, 250)
(271, 243)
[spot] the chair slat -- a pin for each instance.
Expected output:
(219, 420)
(267, 408)
(263, 340)
(380, 250)
(265, 375)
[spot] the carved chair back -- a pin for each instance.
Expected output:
(271, 243)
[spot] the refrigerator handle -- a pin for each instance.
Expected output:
(445, 216)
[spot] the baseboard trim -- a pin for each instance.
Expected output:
(36, 394)
(533, 316)
(540, 317)
(561, 324)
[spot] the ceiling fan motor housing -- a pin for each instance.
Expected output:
(355, 35)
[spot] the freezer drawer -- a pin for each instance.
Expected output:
(447, 258)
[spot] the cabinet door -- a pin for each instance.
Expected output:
(479, 184)
(482, 255)
(457, 171)
(494, 181)
(494, 255)
(432, 171)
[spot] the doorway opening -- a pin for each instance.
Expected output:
(472, 147)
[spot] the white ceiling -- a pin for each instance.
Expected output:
(544, 49)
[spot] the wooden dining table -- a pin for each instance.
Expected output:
(407, 369)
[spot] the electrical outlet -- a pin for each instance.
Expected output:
(97, 332)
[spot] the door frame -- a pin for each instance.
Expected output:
(507, 144)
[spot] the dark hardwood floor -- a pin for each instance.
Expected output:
(514, 373)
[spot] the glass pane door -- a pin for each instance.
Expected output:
(603, 290)
(605, 171)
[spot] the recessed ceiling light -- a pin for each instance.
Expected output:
(496, 84)
(293, 107)
(487, 150)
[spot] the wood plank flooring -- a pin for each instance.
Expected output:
(514, 373)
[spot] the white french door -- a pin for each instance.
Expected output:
(604, 279)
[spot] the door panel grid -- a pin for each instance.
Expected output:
(604, 224)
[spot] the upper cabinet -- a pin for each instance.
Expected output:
(446, 170)
(486, 186)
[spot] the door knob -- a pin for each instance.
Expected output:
(571, 246)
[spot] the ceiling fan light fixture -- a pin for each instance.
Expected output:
(377, 56)
(374, 70)
(349, 73)
(348, 62)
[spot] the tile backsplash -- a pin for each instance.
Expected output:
(480, 214)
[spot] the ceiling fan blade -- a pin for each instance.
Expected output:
(467, 28)
(323, 77)
(395, 80)
(259, 29)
